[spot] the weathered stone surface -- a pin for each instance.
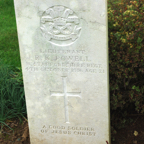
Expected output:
(63, 46)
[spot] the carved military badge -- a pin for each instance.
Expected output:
(60, 25)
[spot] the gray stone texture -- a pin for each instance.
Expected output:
(64, 55)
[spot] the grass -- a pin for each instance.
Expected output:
(12, 100)
(9, 49)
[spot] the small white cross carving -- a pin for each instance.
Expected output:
(66, 94)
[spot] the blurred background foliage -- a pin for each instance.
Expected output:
(126, 59)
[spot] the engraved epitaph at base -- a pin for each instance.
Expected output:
(64, 56)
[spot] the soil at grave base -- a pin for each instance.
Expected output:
(123, 136)
(132, 133)
(19, 134)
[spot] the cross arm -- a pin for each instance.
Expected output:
(52, 93)
(74, 94)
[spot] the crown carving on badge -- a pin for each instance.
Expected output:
(59, 15)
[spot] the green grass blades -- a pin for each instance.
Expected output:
(9, 49)
(12, 101)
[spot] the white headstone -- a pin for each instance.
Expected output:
(64, 55)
